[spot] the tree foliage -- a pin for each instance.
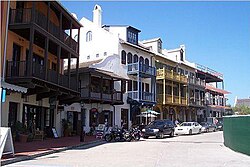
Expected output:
(241, 110)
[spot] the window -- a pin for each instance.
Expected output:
(129, 61)
(88, 57)
(135, 88)
(132, 37)
(130, 85)
(54, 66)
(123, 60)
(97, 55)
(159, 46)
(105, 54)
(147, 87)
(147, 61)
(89, 36)
(141, 60)
(135, 58)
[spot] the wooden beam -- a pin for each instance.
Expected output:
(37, 90)
(47, 94)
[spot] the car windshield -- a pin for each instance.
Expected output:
(186, 124)
(156, 123)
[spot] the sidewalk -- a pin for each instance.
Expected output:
(30, 150)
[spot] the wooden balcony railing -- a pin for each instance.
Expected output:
(165, 74)
(18, 69)
(169, 99)
(110, 96)
(23, 16)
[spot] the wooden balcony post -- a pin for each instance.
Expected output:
(77, 72)
(179, 93)
(48, 16)
(46, 65)
(60, 27)
(71, 34)
(164, 91)
(30, 57)
(58, 62)
(69, 64)
(78, 41)
(172, 92)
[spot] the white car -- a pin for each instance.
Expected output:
(188, 128)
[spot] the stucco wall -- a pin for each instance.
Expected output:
(237, 133)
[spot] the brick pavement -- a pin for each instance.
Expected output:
(34, 149)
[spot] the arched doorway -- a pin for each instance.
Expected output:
(172, 114)
(165, 113)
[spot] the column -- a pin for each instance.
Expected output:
(48, 16)
(46, 65)
(69, 64)
(58, 63)
(30, 58)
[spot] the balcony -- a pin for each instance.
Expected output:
(196, 81)
(165, 74)
(110, 97)
(196, 102)
(142, 97)
(18, 70)
(169, 99)
(23, 17)
(138, 68)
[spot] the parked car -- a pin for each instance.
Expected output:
(188, 128)
(159, 128)
(219, 125)
(208, 127)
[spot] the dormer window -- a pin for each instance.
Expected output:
(132, 35)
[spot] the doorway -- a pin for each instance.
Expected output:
(124, 117)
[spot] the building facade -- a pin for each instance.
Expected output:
(39, 39)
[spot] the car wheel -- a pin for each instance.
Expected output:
(214, 129)
(190, 131)
(172, 134)
(207, 130)
(161, 135)
(145, 137)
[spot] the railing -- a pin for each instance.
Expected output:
(208, 70)
(108, 97)
(18, 69)
(169, 99)
(144, 96)
(165, 74)
(23, 16)
(196, 81)
(141, 68)
(18, 16)
(196, 101)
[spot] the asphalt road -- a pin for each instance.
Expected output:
(203, 150)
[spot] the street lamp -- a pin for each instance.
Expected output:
(82, 134)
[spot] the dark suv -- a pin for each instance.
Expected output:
(159, 128)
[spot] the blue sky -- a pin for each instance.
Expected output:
(216, 34)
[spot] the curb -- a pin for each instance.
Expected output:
(19, 159)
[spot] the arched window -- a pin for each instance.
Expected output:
(89, 36)
(123, 60)
(146, 62)
(141, 60)
(129, 61)
(135, 58)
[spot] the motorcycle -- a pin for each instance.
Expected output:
(117, 134)
(136, 134)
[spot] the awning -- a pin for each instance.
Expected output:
(210, 87)
(146, 115)
(12, 87)
(148, 111)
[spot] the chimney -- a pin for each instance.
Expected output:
(97, 16)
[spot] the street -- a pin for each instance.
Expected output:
(196, 150)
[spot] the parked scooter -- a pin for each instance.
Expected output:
(135, 133)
